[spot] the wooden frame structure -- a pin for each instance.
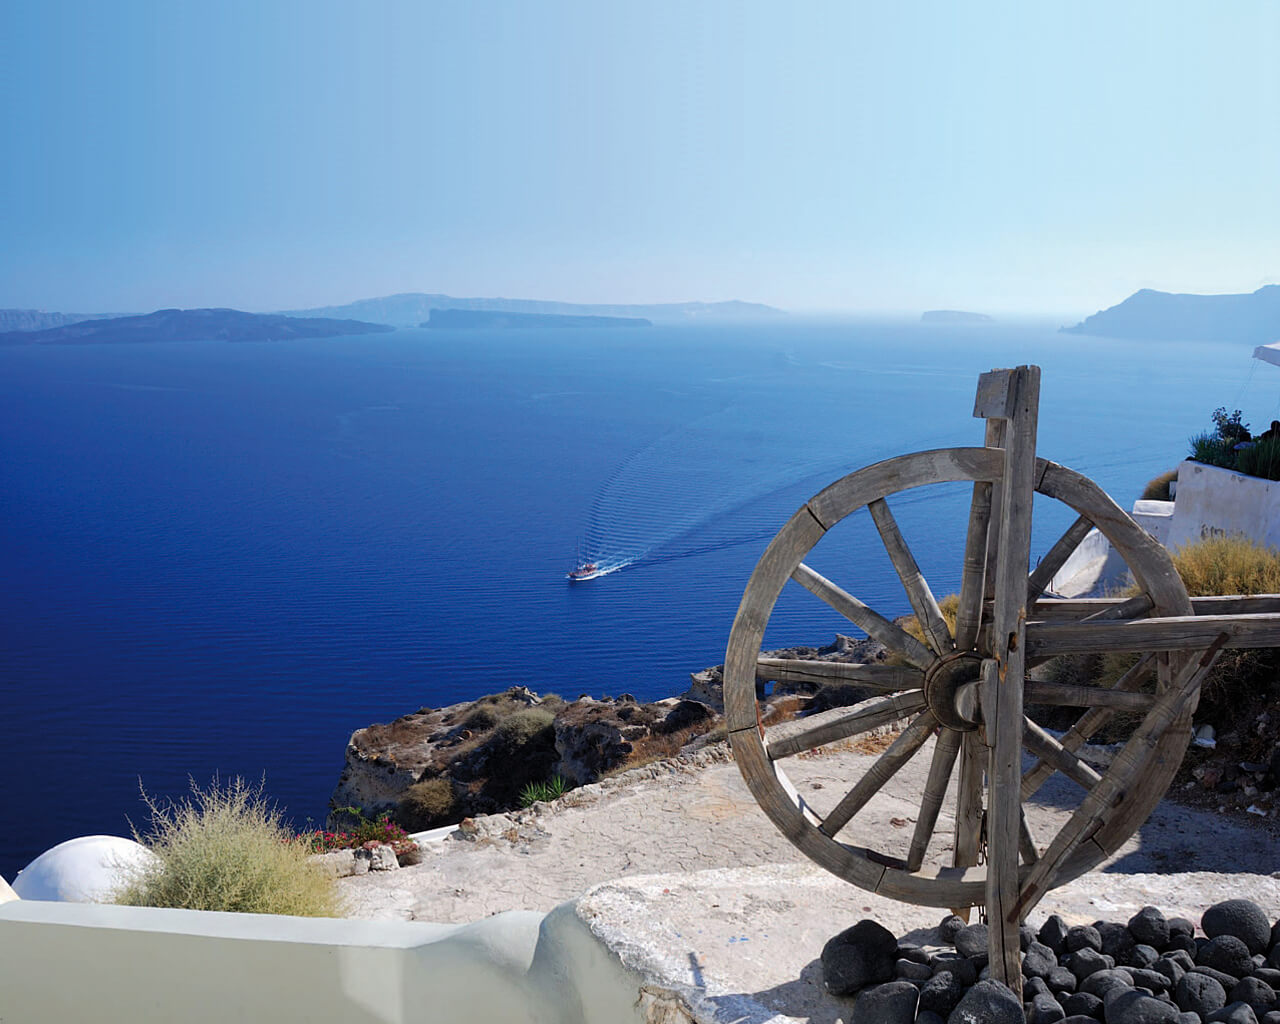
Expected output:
(966, 691)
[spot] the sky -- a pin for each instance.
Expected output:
(822, 157)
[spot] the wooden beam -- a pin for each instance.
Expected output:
(887, 678)
(1175, 633)
(790, 738)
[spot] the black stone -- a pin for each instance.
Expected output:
(891, 1003)
(1102, 982)
(859, 956)
(1085, 962)
(1149, 926)
(1254, 991)
(1038, 961)
(1270, 1017)
(1226, 953)
(1116, 940)
(1183, 942)
(1142, 955)
(1145, 978)
(1270, 975)
(1181, 927)
(1053, 933)
(1227, 981)
(1182, 958)
(1187, 1017)
(971, 940)
(1275, 928)
(1242, 918)
(1199, 993)
(1045, 1010)
(950, 925)
(1026, 936)
(988, 1002)
(1170, 968)
(941, 993)
(962, 967)
(1081, 936)
(1233, 1013)
(1080, 1018)
(909, 970)
(1082, 1004)
(1061, 979)
(929, 1017)
(918, 954)
(1033, 987)
(1129, 1006)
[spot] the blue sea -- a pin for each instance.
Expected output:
(223, 558)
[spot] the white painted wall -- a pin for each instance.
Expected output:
(78, 961)
(1213, 500)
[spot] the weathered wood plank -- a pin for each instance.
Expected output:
(1080, 608)
(865, 618)
(1173, 633)
(887, 678)
(1004, 717)
(935, 789)
(1066, 695)
(795, 737)
(923, 603)
(1056, 557)
(993, 399)
(973, 577)
(1132, 608)
(1049, 750)
(1026, 842)
(968, 831)
(887, 765)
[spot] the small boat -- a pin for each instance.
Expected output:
(585, 571)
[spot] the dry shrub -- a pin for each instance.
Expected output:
(1228, 565)
(524, 727)
(226, 848)
(1157, 489)
(426, 804)
(949, 605)
(481, 718)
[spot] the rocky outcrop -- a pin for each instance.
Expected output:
(437, 766)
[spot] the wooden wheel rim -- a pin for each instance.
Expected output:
(947, 886)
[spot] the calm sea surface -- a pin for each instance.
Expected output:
(226, 557)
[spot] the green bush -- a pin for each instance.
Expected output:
(226, 848)
(481, 718)
(546, 791)
(1157, 489)
(1212, 450)
(1262, 459)
(427, 804)
(525, 727)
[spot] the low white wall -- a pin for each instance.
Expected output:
(1213, 501)
(77, 961)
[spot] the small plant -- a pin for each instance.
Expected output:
(1157, 489)
(226, 848)
(428, 803)
(1228, 565)
(363, 832)
(545, 791)
(1261, 459)
(1229, 427)
(1219, 446)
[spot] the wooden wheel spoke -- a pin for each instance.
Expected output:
(1103, 799)
(1066, 695)
(870, 622)
(801, 734)
(1089, 723)
(1124, 610)
(923, 603)
(1056, 557)
(886, 678)
(973, 578)
(935, 788)
(901, 751)
(968, 834)
(1052, 752)
(1026, 841)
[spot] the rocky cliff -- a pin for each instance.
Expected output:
(437, 766)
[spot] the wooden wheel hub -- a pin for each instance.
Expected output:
(950, 690)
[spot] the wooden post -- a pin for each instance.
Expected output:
(1019, 392)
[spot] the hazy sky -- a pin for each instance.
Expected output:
(1015, 156)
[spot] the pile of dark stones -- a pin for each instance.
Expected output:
(1152, 970)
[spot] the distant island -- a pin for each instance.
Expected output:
(191, 325)
(413, 308)
(953, 316)
(464, 319)
(1149, 315)
(39, 320)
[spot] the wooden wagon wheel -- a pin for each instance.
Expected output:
(968, 689)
